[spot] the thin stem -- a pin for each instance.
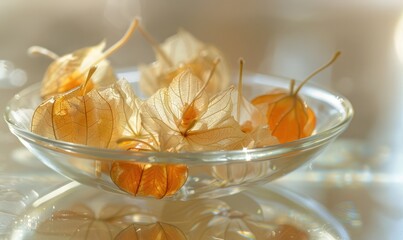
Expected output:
(210, 76)
(34, 50)
(133, 26)
(198, 94)
(240, 85)
(156, 46)
(332, 60)
(90, 73)
(292, 85)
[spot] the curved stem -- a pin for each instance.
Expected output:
(240, 83)
(90, 73)
(198, 94)
(134, 24)
(292, 85)
(211, 74)
(156, 46)
(332, 60)
(42, 51)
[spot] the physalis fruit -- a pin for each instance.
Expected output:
(288, 115)
(70, 71)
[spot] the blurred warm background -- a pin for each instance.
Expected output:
(287, 38)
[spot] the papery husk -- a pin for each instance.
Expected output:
(97, 118)
(209, 126)
(184, 52)
(70, 71)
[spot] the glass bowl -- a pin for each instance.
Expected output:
(206, 174)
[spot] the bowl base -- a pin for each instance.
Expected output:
(75, 211)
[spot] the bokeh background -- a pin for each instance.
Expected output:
(288, 38)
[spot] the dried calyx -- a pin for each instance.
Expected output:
(191, 107)
(289, 117)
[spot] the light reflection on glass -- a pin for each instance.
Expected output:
(246, 234)
(11, 77)
(347, 213)
(247, 156)
(55, 193)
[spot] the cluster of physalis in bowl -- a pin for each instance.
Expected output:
(193, 136)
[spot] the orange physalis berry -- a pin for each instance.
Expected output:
(149, 180)
(288, 115)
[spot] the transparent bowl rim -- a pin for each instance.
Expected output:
(208, 157)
